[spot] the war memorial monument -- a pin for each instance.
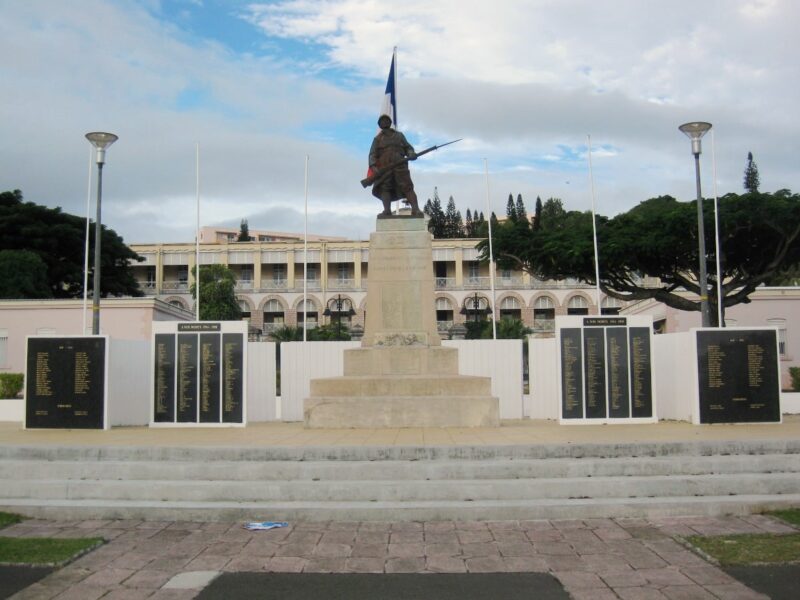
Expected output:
(401, 376)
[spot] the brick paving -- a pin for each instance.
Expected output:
(633, 559)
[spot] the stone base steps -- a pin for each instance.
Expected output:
(401, 483)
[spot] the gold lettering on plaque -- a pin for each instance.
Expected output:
(82, 379)
(715, 371)
(44, 384)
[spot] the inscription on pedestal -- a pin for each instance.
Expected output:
(606, 368)
(65, 383)
(199, 373)
(738, 376)
(164, 378)
(571, 371)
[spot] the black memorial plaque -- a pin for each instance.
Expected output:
(209, 378)
(186, 373)
(640, 370)
(594, 369)
(738, 376)
(65, 383)
(164, 379)
(617, 363)
(571, 371)
(232, 377)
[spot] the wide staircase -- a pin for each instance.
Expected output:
(401, 483)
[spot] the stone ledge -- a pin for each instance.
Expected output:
(398, 411)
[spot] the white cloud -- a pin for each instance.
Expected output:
(523, 85)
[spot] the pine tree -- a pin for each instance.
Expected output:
(436, 224)
(454, 226)
(522, 214)
(511, 209)
(244, 232)
(537, 216)
(751, 179)
(468, 224)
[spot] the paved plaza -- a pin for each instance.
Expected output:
(592, 559)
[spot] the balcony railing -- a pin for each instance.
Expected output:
(342, 284)
(314, 285)
(271, 285)
(476, 283)
(544, 325)
(175, 286)
(244, 284)
(149, 287)
(445, 283)
(443, 325)
(506, 283)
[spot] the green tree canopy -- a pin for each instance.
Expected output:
(57, 238)
(217, 294)
(23, 275)
(759, 237)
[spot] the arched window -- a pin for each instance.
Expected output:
(245, 308)
(310, 312)
(578, 305)
(444, 313)
(610, 306)
(544, 314)
(510, 308)
(273, 314)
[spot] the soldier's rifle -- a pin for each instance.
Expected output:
(384, 172)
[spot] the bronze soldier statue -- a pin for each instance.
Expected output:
(388, 164)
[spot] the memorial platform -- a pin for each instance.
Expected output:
(520, 470)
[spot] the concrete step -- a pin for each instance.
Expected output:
(400, 511)
(207, 454)
(250, 470)
(405, 491)
(401, 483)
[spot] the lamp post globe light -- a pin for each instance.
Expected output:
(695, 131)
(100, 140)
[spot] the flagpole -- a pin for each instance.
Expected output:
(491, 252)
(86, 248)
(197, 229)
(394, 106)
(594, 228)
(305, 254)
(720, 322)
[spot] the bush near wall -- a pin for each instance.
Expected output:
(11, 384)
(794, 372)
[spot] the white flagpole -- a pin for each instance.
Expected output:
(720, 322)
(305, 255)
(86, 246)
(394, 106)
(491, 251)
(594, 228)
(197, 229)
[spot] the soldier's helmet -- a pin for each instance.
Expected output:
(385, 118)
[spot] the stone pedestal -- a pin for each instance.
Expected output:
(401, 376)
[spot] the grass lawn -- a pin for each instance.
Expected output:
(7, 519)
(750, 548)
(754, 548)
(791, 515)
(39, 551)
(43, 550)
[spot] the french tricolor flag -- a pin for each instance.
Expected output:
(389, 105)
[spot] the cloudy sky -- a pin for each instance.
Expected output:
(260, 86)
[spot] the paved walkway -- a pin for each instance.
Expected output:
(593, 558)
(521, 432)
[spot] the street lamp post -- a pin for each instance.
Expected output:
(695, 131)
(339, 301)
(100, 141)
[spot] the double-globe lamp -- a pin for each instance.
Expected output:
(695, 131)
(100, 140)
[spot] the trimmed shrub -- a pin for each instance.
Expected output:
(11, 384)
